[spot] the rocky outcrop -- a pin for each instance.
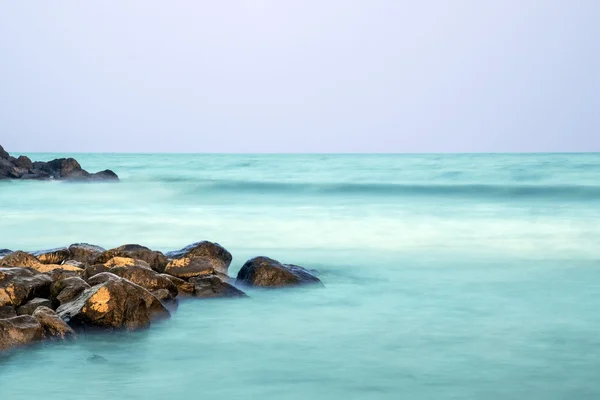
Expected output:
(18, 285)
(114, 304)
(212, 286)
(18, 331)
(60, 169)
(29, 307)
(155, 259)
(266, 272)
(85, 252)
(213, 253)
(52, 256)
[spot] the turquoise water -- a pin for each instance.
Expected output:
(447, 277)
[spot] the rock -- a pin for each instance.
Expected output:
(213, 286)
(24, 162)
(3, 153)
(219, 257)
(29, 307)
(106, 175)
(84, 252)
(114, 304)
(184, 288)
(126, 262)
(7, 312)
(67, 289)
(18, 331)
(102, 277)
(4, 252)
(58, 274)
(185, 268)
(148, 279)
(97, 359)
(53, 327)
(266, 272)
(19, 259)
(52, 256)
(36, 175)
(18, 285)
(74, 263)
(46, 268)
(156, 259)
(10, 171)
(68, 168)
(94, 270)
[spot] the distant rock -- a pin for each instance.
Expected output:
(24, 162)
(4, 252)
(52, 256)
(85, 252)
(266, 272)
(3, 153)
(106, 175)
(19, 259)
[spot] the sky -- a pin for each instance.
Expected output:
(256, 76)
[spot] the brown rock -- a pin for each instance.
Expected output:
(217, 255)
(185, 268)
(94, 270)
(146, 278)
(52, 256)
(85, 252)
(18, 331)
(53, 327)
(29, 307)
(7, 312)
(156, 259)
(46, 268)
(126, 262)
(19, 259)
(212, 286)
(18, 285)
(266, 272)
(67, 289)
(184, 288)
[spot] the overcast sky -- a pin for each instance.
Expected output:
(300, 76)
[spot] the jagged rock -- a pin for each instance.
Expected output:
(67, 289)
(85, 252)
(19, 259)
(184, 288)
(186, 268)
(266, 272)
(18, 331)
(148, 279)
(18, 285)
(126, 262)
(156, 259)
(114, 304)
(7, 312)
(52, 256)
(53, 327)
(3, 153)
(218, 256)
(213, 286)
(29, 307)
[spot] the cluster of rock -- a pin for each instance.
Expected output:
(60, 169)
(54, 294)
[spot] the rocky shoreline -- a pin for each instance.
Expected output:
(56, 294)
(57, 169)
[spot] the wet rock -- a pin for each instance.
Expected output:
(186, 268)
(102, 277)
(24, 162)
(184, 288)
(94, 270)
(7, 312)
(53, 327)
(126, 262)
(114, 304)
(67, 168)
(29, 307)
(67, 289)
(156, 259)
(106, 175)
(85, 252)
(3, 153)
(18, 285)
(19, 259)
(266, 272)
(74, 263)
(58, 274)
(52, 256)
(212, 286)
(217, 255)
(148, 279)
(18, 331)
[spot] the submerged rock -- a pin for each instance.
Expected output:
(18, 285)
(114, 304)
(52, 256)
(29, 307)
(18, 331)
(266, 272)
(85, 252)
(155, 259)
(214, 253)
(212, 286)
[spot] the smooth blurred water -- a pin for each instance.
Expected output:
(447, 276)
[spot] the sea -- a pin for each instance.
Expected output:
(446, 276)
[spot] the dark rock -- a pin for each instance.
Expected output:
(18, 331)
(4, 252)
(94, 270)
(9, 170)
(114, 304)
(3, 153)
(29, 307)
(19, 259)
(7, 312)
(185, 268)
(68, 168)
(184, 288)
(266, 272)
(35, 174)
(97, 359)
(156, 259)
(219, 257)
(67, 289)
(212, 286)
(106, 175)
(53, 327)
(58, 274)
(18, 285)
(126, 262)
(102, 277)
(84, 252)
(148, 279)
(24, 162)
(52, 256)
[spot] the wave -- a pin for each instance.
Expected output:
(549, 192)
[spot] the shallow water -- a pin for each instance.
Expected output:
(447, 276)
